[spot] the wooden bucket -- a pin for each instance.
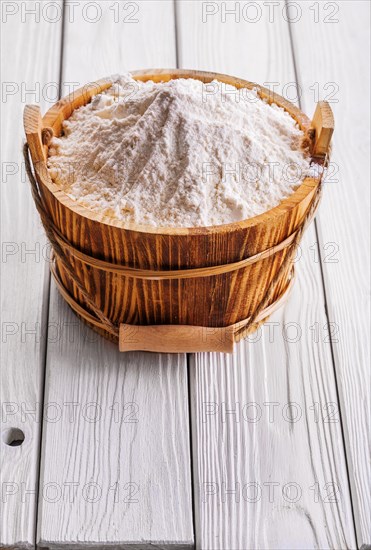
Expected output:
(152, 286)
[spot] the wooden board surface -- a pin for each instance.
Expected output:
(343, 224)
(24, 272)
(138, 453)
(115, 469)
(252, 458)
(115, 458)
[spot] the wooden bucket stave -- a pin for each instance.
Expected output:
(214, 301)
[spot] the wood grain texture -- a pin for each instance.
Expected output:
(335, 71)
(323, 124)
(152, 454)
(266, 374)
(128, 300)
(115, 463)
(24, 272)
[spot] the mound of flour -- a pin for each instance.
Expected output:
(180, 153)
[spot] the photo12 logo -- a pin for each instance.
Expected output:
(54, 492)
(274, 492)
(253, 12)
(70, 11)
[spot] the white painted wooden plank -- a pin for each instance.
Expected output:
(139, 449)
(266, 375)
(115, 462)
(127, 36)
(339, 71)
(30, 65)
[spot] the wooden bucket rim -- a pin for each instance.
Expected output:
(52, 119)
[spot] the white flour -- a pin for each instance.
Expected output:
(180, 153)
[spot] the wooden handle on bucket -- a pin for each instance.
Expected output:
(184, 338)
(323, 124)
(176, 338)
(37, 135)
